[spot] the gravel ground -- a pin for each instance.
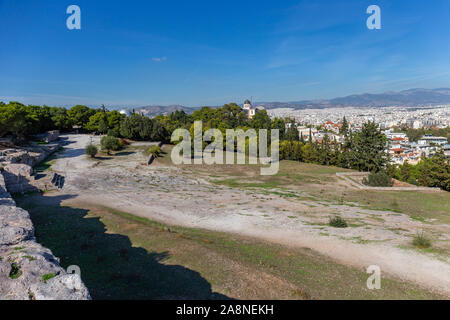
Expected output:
(173, 196)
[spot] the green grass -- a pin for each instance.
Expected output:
(234, 183)
(123, 256)
(418, 205)
(46, 164)
(47, 277)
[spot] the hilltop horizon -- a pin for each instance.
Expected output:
(408, 98)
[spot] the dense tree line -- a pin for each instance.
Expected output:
(429, 172)
(229, 116)
(22, 121)
(415, 134)
(364, 150)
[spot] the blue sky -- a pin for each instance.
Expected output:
(141, 52)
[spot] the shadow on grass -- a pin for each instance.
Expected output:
(110, 266)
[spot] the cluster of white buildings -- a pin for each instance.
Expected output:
(320, 122)
(401, 149)
(386, 117)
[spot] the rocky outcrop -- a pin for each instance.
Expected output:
(49, 136)
(17, 165)
(18, 177)
(28, 271)
(27, 155)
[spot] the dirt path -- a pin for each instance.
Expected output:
(169, 195)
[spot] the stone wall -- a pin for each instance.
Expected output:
(17, 165)
(24, 262)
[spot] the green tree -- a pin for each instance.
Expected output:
(415, 134)
(91, 150)
(15, 120)
(97, 122)
(344, 128)
(309, 153)
(60, 119)
(260, 120)
(292, 133)
(278, 123)
(130, 127)
(79, 115)
(110, 143)
(436, 171)
(368, 149)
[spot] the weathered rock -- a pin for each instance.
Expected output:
(63, 287)
(52, 136)
(25, 264)
(7, 141)
(18, 177)
(15, 225)
(17, 169)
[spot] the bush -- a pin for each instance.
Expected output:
(15, 271)
(91, 150)
(110, 143)
(155, 151)
(337, 222)
(421, 241)
(378, 179)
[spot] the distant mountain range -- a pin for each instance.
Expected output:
(411, 97)
(406, 98)
(152, 111)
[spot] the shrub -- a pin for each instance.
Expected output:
(421, 240)
(337, 222)
(91, 150)
(15, 271)
(378, 179)
(110, 143)
(155, 151)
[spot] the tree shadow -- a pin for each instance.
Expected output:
(124, 153)
(110, 266)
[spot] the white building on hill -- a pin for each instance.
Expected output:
(249, 110)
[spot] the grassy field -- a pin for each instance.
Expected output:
(322, 184)
(122, 256)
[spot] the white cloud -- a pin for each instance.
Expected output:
(159, 59)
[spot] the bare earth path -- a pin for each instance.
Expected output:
(173, 196)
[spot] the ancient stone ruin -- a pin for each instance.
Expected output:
(28, 271)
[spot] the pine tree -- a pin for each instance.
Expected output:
(368, 149)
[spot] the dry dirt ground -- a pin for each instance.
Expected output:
(180, 196)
